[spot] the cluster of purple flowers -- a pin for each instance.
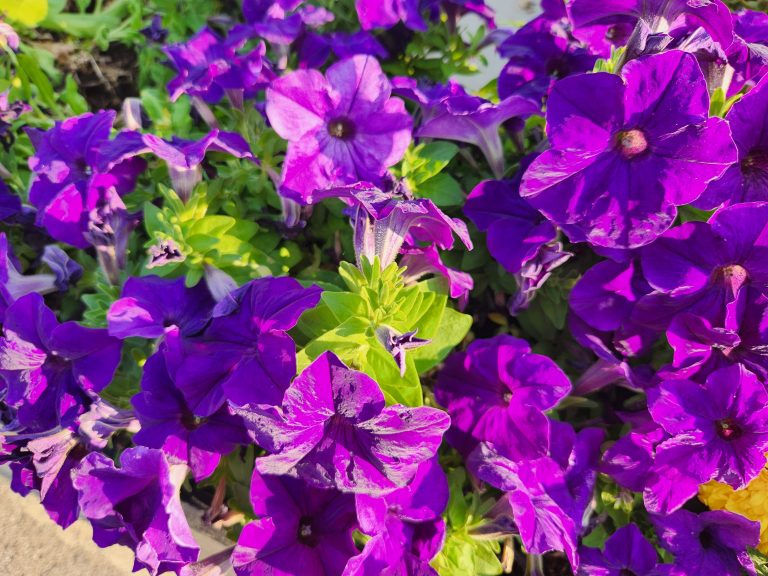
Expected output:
(612, 325)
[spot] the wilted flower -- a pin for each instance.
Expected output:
(334, 431)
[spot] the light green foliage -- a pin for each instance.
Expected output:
(422, 169)
(346, 319)
(462, 553)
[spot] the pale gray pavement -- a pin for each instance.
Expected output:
(32, 545)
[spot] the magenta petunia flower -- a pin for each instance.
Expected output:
(342, 128)
(609, 133)
(137, 505)
(497, 391)
(719, 431)
(334, 431)
(299, 529)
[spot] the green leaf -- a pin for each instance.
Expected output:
(425, 161)
(760, 561)
(211, 225)
(453, 327)
(32, 71)
(443, 189)
(381, 366)
(344, 305)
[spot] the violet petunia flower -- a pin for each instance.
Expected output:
(606, 139)
(245, 355)
(748, 54)
(184, 157)
(210, 67)
(65, 270)
(14, 284)
(342, 127)
(702, 267)
(137, 505)
(538, 54)
(476, 121)
(714, 542)
(546, 496)
(397, 344)
(299, 529)
(747, 179)
(497, 391)
(534, 273)
(334, 431)
(149, 306)
(65, 158)
(516, 231)
(168, 423)
(50, 368)
(10, 203)
(626, 552)
(378, 14)
(155, 32)
(718, 431)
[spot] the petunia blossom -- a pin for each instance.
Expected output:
(497, 392)
(377, 14)
(299, 529)
(137, 505)
(334, 431)
(608, 133)
(244, 355)
(718, 431)
(150, 305)
(626, 552)
(341, 128)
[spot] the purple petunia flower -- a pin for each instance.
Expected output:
(168, 423)
(609, 132)
(420, 261)
(405, 526)
(334, 430)
(342, 127)
(398, 344)
(516, 231)
(14, 284)
(378, 14)
(497, 392)
(150, 305)
(476, 121)
(538, 54)
(300, 530)
(210, 67)
(719, 430)
(49, 367)
(137, 505)
(182, 157)
(702, 267)
(155, 31)
(546, 496)
(748, 54)
(534, 273)
(629, 461)
(747, 179)
(626, 552)
(713, 542)
(244, 355)
(9, 113)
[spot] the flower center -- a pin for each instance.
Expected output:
(727, 429)
(733, 276)
(756, 161)
(306, 534)
(626, 572)
(507, 397)
(706, 539)
(342, 128)
(632, 142)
